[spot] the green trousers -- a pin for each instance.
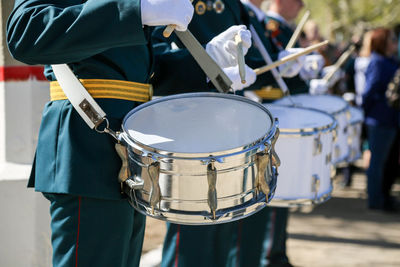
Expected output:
(95, 232)
(258, 240)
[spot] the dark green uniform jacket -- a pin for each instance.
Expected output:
(279, 34)
(70, 157)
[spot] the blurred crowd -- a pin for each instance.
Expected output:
(369, 80)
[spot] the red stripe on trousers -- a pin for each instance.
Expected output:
(77, 235)
(177, 246)
(271, 236)
(21, 73)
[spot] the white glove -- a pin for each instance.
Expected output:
(233, 74)
(223, 49)
(313, 64)
(339, 74)
(318, 86)
(293, 67)
(166, 12)
(252, 96)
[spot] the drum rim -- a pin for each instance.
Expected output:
(308, 131)
(347, 107)
(257, 144)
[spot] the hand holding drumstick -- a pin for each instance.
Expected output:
(290, 57)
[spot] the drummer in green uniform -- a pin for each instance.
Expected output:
(226, 244)
(106, 44)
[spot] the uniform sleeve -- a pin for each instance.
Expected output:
(372, 84)
(63, 31)
(176, 71)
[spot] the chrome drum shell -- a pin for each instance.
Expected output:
(202, 188)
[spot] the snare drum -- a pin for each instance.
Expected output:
(201, 158)
(354, 131)
(335, 106)
(305, 148)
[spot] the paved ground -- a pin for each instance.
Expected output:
(340, 232)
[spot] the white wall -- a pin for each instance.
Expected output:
(24, 214)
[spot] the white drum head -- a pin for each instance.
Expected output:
(292, 118)
(328, 103)
(198, 123)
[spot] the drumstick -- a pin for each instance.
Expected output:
(340, 62)
(298, 30)
(240, 56)
(170, 28)
(307, 50)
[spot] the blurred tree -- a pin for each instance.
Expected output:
(339, 20)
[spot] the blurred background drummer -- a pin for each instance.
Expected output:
(278, 28)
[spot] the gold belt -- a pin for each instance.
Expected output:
(114, 89)
(269, 93)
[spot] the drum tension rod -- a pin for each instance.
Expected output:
(212, 191)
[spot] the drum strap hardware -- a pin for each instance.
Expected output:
(79, 97)
(212, 191)
(84, 103)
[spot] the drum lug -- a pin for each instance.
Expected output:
(265, 161)
(263, 170)
(124, 172)
(153, 171)
(337, 151)
(315, 185)
(335, 135)
(212, 190)
(328, 158)
(317, 145)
